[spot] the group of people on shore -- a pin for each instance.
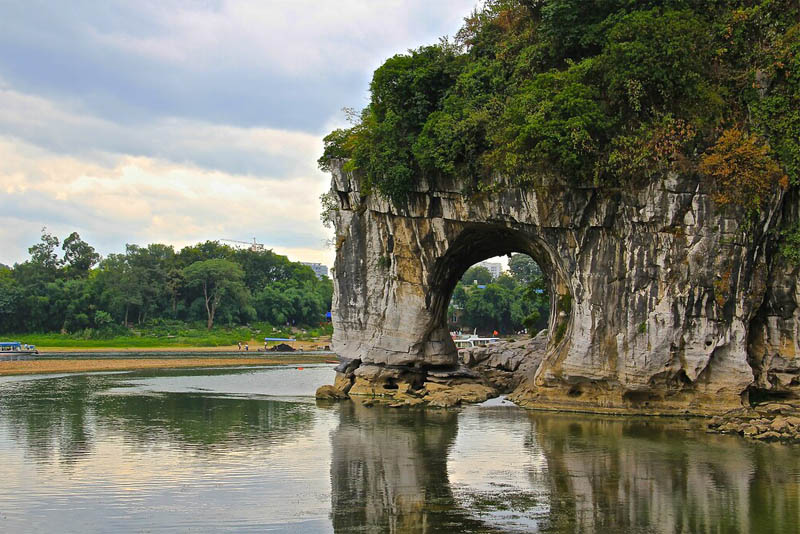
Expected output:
(247, 347)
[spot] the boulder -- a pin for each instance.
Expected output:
(441, 396)
(330, 393)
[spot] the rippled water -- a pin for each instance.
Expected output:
(237, 450)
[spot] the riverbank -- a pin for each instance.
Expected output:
(254, 345)
(177, 336)
(85, 365)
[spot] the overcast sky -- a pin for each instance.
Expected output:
(178, 121)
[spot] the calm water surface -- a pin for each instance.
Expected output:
(238, 450)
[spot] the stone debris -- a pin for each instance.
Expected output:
(506, 364)
(773, 421)
(441, 387)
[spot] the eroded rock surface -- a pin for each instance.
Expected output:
(662, 301)
(401, 386)
(507, 364)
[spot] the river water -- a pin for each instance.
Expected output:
(249, 450)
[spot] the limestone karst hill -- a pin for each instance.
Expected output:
(646, 155)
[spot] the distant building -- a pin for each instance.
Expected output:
(494, 267)
(319, 269)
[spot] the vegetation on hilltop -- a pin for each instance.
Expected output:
(597, 93)
(155, 286)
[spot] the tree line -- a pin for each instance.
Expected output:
(515, 300)
(67, 287)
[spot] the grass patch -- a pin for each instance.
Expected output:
(174, 334)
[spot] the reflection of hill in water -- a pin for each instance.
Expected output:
(389, 473)
(627, 475)
(413, 471)
(62, 415)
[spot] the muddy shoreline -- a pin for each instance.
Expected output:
(90, 364)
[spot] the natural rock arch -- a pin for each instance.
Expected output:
(656, 286)
(476, 243)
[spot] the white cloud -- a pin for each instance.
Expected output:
(291, 36)
(144, 200)
(177, 122)
(250, 150)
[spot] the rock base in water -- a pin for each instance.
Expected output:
(769, 421)
(510, 368)
(330, 393)
(401, 386)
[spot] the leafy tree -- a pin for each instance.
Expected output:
(459, 297)
(506, 305)
(742, 169)
(477, 273)
(534, 311)
(118, 287)
(219, 279)
(147, 284)
(79, 256)
(523, 268)
(272, 305)
(148, 267)
(489, 308)
(175, 283)
(11, 296)
(44, 262)
(203, 251)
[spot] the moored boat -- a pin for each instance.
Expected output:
(474, 341)
(16, 347)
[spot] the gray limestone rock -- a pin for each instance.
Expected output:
(347, 366)
(662, 300)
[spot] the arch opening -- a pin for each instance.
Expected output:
(478, 243)
(500, 297)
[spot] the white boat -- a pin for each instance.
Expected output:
(474, 341)
(15, 347)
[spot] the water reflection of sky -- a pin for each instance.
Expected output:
(492, 454)
(277, 381)
(180, 461)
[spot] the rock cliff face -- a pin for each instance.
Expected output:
(662, 301)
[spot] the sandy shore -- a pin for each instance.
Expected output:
(254, 348)
(22, 367)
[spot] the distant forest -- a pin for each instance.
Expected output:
(515, 300)
(67, 287)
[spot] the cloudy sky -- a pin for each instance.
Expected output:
(179, 121)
